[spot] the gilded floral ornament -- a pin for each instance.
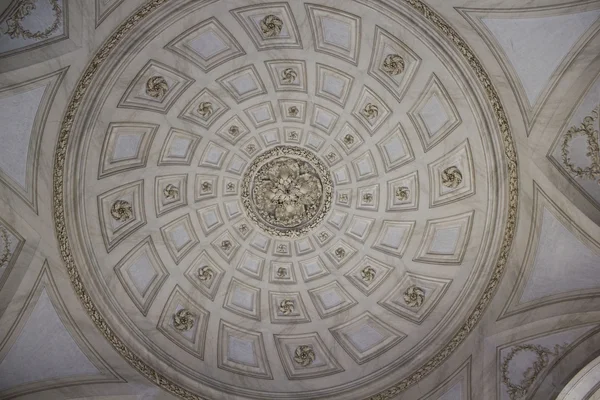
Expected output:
(183, 320)
(205, 273)
(542, 356)
(402, 193)
(121, 211)
(14, 28)
(414, 296)
(171, 191)
(288, 75)
(304, 355)
(286, 306)
(451, 177)
(5, 257)
(287, 191)
(205, 109)
(592, 171)
(367, 273)
(271, 26)
(393, 64)
(156, 87)
(371, 111)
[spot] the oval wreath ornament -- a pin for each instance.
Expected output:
(166, 383)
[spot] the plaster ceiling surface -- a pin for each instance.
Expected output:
(286, 199)
(308, 199)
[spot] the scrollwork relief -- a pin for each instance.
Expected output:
(371, 111)
(393, 64)
(367, 273)
(171, 192)
(452, 177)
(414, 296)
(286, 306)
(592, 171)
(183, 320)
(14, 23)
(156, 87)
(205, 109)
(288, 75)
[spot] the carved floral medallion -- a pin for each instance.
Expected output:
(287, 191)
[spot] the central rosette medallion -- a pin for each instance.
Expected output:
(287, 191)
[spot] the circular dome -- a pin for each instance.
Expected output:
(283, 200)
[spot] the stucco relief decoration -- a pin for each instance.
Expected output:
(367, 273)
(205, 109)
(371, 111)
(402, 193)
(414, 296)
(368, 198)
(205, 273)
(293, 111)
(348, 140)
(340, 253)
(293, 135)
(226, 245)
(157, 87)
(286, 307)
(288, 75)
(5, 238)
(121, 211)
(592, 171)
(304, 355)
(542, 355)
(183, 320)
(234, 130)
(171, 191)
(271, 26)
(206, 186)
(15, 29)
(287, 190)
(451, 177)
(393, 64)
(281, 272)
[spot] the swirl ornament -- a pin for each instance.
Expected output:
(323, 236)
(340, 253)
(234, 130)
(281, 272)
(367, 273)
(451, 177)
(414, 296)
(286, 306)
(371, 111)
(183, 320)
(205, 109)
(288, 75)
(14, 28)
(293, 111)
(250, 148)
(348, 140)
(226, 245)
(271, 26)
(282, 248)
(585, 129)
(243, 228)
(367, 198)
(206, 186)
(156, 87)
(402, 193)
(304, 355)
(519, 390)
(393, 64)
(171, 191)
(5, 257)
(230, 187)
(287, 191)
(205, 273)
(121, 211)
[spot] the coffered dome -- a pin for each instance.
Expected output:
(285, 199)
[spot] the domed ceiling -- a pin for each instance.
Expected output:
(317, 199)
(284, 199)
